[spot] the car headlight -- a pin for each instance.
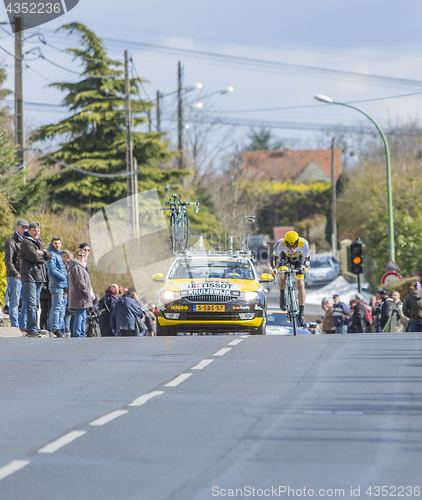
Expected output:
(169, 295)
(244, 316)
(249, 296)
(171, 315)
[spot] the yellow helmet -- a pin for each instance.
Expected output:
(292, 238)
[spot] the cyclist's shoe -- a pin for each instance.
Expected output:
(301, 319)
(283, 305)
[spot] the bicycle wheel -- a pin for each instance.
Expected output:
(292, 311)
(185, 232)
(173, 234)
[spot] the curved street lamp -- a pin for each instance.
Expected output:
(391, 247)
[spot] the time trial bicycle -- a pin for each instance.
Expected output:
(291, 299)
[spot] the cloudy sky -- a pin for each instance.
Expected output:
(346, 37)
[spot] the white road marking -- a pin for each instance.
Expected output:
(145, 397)
(235, 342)
(223, 351)
(244, 336)
(12, 467)
(108, 418)
(62, 441)
(202, 364)
(178, 380)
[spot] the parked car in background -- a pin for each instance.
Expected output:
(323, 269)
(259, 248)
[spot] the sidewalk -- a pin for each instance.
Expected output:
(8, 331)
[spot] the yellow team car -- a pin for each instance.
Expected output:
(211, 292)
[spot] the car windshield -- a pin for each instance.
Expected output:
(319, 264)
(209, 269)
(277, 319)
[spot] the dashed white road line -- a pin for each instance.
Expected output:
(145, 397)
(202, 364)
(244, 336)
(223, 351)
(235, 342)
(108, 418)
(62, 441)
(178, 380)
(12, 467)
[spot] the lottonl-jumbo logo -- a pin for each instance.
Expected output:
(24, 15)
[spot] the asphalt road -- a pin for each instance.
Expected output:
(317, 412)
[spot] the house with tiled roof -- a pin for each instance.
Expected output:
(298, 166)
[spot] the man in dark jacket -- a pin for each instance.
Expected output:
(33, 257)
(57, 284)
(412, 308)
(340, 314)
(358, 318)
(386, 305)
(13, 276)
(125, 314)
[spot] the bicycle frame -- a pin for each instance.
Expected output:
(179, 223)
(292, 302)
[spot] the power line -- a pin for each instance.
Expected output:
(283, 108)
(265, 64)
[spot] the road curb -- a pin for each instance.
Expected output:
(9, 331)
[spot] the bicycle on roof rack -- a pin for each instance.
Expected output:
(179, 223)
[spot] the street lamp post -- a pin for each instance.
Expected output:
(391, 247)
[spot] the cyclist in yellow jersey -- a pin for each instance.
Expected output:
(292, 252)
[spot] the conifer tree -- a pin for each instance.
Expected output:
(93, 137)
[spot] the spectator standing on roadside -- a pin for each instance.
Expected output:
(65, 316)
(340, 315)
(127, 315)
(378, 303)
(79, 292)
(45, 305)
(412, 308)
(87, 248)
(373, 309)
(358, 317)
(33, 258)
(386, 304)
(57, 284)
(328, 320)
(107, 304)
(398, 321)
(13, 276)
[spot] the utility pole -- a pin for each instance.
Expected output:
(129, 152)
(158, 112)
(333, 199)
(19, 125)
(180, 114)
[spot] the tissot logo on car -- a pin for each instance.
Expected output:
(211, 284)
(25, 14)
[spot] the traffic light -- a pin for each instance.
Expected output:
(356, 257)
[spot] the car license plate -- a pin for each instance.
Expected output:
(209, 308)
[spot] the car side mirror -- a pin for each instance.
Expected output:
(159, 277)
(265, 277)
